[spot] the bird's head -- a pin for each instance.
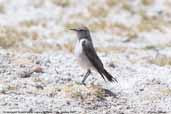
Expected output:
(82, 32)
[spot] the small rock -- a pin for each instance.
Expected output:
(112, 65)
(25, 74)
(39, 87)
(30, 110)
(68, 103)
(142, 89)
(37, 69)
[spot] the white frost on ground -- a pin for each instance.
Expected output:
(140, 65)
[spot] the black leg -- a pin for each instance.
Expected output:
(86, 76)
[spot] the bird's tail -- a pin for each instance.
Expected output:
(109, 76)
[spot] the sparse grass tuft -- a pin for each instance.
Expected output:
(149, 23)
(99, 25)
(161, 46)
(121, 27)
(111, 3)
(70, 25)
(97, 91)
(51, 90)
(12, 87)
(98, 11)
(150, 47)
(147, 2)
(131, 35)
(2, 8)
(9, 36)
(166, 92)
(69, 47)
(75, 16)
(31, 23)
(111, 49)
(126, 6)
(103, 25)
(40, 47)
(38, 3)
(123, 30)
(73, 91)
(85, 93)
(6, 42)
(161, 60)
(63, 3)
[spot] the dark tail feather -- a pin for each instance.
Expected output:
(109, 76)
(102, 75)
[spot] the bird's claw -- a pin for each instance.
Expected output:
(83, 83)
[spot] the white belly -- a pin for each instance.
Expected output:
(81, 57)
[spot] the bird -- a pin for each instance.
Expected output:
(86, 55)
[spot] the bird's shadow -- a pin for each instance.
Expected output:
(109, 93)
(100, 90)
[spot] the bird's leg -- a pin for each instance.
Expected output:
(86, 76)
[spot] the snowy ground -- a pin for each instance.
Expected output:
(39, 73)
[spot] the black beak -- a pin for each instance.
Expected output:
(73, 29)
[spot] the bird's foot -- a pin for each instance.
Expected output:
(81, 83)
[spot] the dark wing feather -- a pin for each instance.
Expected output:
(92, 56)
(95, 60)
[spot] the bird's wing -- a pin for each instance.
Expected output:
(91, 54)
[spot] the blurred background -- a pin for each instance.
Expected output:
(42, 25)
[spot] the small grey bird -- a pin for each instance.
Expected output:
(86, 55)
